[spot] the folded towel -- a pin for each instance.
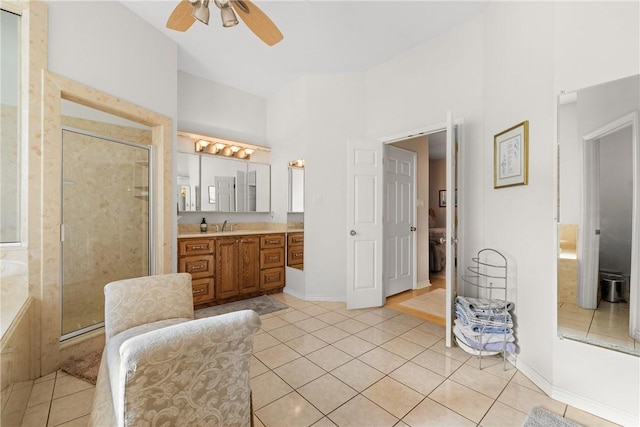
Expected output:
(469, 317)
(485, 305)
(485, 337)
(509, 347)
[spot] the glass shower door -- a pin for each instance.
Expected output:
(105, 214)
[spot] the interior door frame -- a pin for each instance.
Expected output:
(458, 240)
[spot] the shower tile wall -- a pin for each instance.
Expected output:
(106, 219)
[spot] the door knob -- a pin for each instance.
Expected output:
(413, 229)
(353, 232)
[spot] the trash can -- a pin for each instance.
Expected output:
(611, 287)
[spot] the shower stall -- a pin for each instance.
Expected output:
(106, 220)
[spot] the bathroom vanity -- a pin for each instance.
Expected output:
(232, 265)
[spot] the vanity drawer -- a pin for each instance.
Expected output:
(295, 255)
(188, 247)
(270, 258)
(295, 239)
(272, 241)
(272, 278)
(202, 290)
(197, 266)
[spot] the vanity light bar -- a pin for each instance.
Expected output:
(223, 147)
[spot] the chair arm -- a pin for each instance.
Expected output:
(193, 373)
(133, 302)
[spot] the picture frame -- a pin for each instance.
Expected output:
(511, 156)
(442, 198)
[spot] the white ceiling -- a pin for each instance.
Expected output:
(320, 36)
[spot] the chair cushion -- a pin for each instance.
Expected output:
(113, 348)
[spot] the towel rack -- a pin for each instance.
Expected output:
(488, 276)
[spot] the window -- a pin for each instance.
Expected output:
(10, 152)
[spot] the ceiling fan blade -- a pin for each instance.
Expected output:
(181, 19)
(257, 21)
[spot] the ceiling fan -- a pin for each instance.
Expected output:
(187, 11)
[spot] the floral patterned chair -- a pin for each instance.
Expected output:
(162, 367)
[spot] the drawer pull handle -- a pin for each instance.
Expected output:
(197, 267)
(297, 255)
(273, 258)
(274, 277)
(272, 242)
(198, 291)
(198, 247)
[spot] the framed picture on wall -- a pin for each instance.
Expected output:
(511, 156)
(442, 199)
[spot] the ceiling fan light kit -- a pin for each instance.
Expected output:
(188, 11)
(201, 11)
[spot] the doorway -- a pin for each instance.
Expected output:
(429, 248)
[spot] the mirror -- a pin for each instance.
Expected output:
(188, 182)
(598, 218)
(234, 185)
(296, 188)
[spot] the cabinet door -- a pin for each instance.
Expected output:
(226, 277)
(249, 267)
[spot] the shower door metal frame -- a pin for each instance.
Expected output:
(151, 255)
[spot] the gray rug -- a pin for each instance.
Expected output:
(86, 368)
(540, 417)
(261, 305)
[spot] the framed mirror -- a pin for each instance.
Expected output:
(598, 215)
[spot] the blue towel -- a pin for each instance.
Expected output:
(484, 305)
(509, 347)
(470, 317)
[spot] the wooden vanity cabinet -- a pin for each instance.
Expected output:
(295, 250)
(196, 257)
(232, 267)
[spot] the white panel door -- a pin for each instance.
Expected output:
(398, 217)
(364, 226)
(224, 194)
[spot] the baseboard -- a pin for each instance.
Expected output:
(577, 401)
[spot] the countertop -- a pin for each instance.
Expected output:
(227, 233)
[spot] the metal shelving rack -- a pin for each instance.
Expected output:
(489, 277)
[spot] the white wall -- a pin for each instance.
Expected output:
(105, 46)
(209, 108)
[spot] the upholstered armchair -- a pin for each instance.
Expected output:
(162, 367)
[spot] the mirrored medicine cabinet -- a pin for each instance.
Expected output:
(216, 184)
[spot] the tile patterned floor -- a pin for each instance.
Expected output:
(609, 322)
(319, 364)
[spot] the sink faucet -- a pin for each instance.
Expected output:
(223, 224)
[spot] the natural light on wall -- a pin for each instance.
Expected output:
(10, 137)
